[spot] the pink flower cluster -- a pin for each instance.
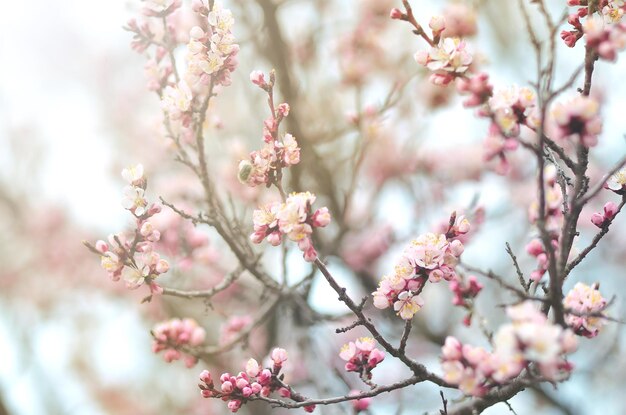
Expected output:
(579, 118)
(294, 218)
(447, 61)
(174, 334)
(132, 255)
(553, 219)
(478, 87)
(606, 39)
(585, 305)
(496, 146)
(211, 57)
(265, 166)
(464, 293)
(605, 31)
(362, 356)
(431, 257)
(601, 219)
(254, 382)
(212, 54)
(529, 340)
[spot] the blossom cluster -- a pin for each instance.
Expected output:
(585, 306)
(361, 356)
(431, 257)
(265, 166)
(254, 382)
(464, 293)
(132, 255)
(172, 335)
(211, 57)
(604, 31)
(294, 218)
(529, 341)
(553, 218)
(447, 61)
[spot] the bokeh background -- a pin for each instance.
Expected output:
(74, 110)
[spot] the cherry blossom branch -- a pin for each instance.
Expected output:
(596, 239)
(223, 285)
(338, 399)
(417, 368)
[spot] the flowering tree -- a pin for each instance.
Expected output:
(306, 208)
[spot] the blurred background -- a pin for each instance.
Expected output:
(75, 110)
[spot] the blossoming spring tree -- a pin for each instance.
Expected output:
(302, 216)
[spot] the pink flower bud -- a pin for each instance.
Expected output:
(102, 246)
(256, 387)
(225, 377)
(610, 210)
(284, 392)
(234, 405)
(264, 377)
(258, 78)
(534, 247)
(309, 408)
(376, 356)
(279, 356)
(321, 217)
(437, 24)
(227, 387)
(162, 266)
(246, 391)
(283, 109)
(252, 368)
(274, 238)
(205, 376)
(396, 14)
(597, 219)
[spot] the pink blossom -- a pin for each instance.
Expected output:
(172, 334)
(587, 306)
(578, 118)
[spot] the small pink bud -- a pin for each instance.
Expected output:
(102, 246)
(258, 78)
(376, 356)
(256, 387)
(234, 405)
(321, 217)
(283, 109)
(534, 247)
(309, 408)
(227, 387)
(252, 368)
(597, 219)
(279, 356)
(610, 210)
(162, 266)
(274, 238)
(205, 376)
(437, 24)
(264, 377)
(396, 14)
(284, 392)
